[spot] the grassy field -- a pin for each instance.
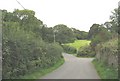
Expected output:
(79, 43)
(39, 73)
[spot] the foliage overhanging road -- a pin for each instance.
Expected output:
(74, 68)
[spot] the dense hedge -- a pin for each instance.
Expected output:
(107, 53)
(85, 51)
(24, 51)
(69, 49)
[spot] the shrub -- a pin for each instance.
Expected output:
(24, 53)
(54, 53)
(85, 51)
(69, 49)
(108, 52)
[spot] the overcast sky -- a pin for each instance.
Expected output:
(79, 14)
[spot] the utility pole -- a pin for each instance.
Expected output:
(54, 31)
(119, 4)
(1, 23)
(54, 37)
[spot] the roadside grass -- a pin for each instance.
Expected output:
(39, 73)
(104, 71)
(79, 43)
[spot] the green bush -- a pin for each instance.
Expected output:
(85, 51)
(23, 55)
(69, 49)
(108, 52)
(54, 53)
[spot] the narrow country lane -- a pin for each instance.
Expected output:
(74, 68)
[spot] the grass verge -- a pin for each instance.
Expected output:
(39, 73)
(104, 71)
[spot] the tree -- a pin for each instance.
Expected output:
(119, 20)
(94, 29)
(27, 20)
(112, 25)
(102, 35)
(63, 34)
(47, 34)
(80, 34)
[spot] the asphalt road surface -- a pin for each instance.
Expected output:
(74, 68)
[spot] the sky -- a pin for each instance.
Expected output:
(79, 14)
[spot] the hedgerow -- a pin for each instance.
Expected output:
(24, 51)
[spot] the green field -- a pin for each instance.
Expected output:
(79, 43)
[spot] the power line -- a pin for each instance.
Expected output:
(20, 4)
